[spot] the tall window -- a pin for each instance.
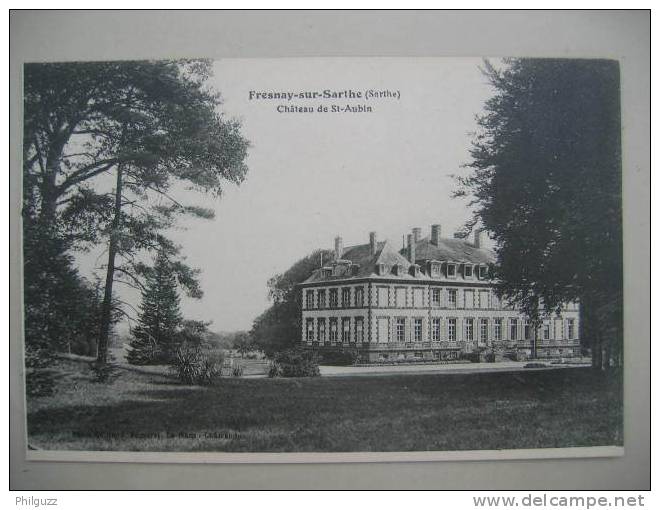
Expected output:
(483, 330)
(321, 330)
(333, 329)
(345, 297)
(333, 298)
(435, 297)
(546, 331)
(359, 296)
(321, 298)
(513, 329)
(310, 330)
(418, 330)
(451, 298)
(469, 298)
(359, 329)
(497, 329)
(527, 330)
(435, 329)
(383, 297)
(451, 330)
(400, 297)
(483, 299)
(346, 329)
(469, 330)
(401, 329)
(571, 329)
(309, 299)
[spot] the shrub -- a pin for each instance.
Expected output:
(237, 371)
(104, 373)
(195, 365)
(339, 357)
(294, 363)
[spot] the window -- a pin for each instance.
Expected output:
(435, 297)
(401, 329)
(451, 270)
(346, 330)
(321, 330)
(333, 329)
(571, 329)
(467, 271)
(546, 331)
(400, 297)
(418, 330)
(451, 330)
(559, 329)
(435, 269)
(333, 298)
(309, 299)
(345, 297)
(483, 272)
(497, 329)
(321, 298)
(382, 269)
(451, 298)
(495, 301)
(435, 330)
(418, 297)
(484, 296)
(359, 329)
(513, 329)
(469, 298)
(469, 330)
(383, 296)
(359, 296)
(310, 330)
(383, 329)
(483, 331)
(527, 330)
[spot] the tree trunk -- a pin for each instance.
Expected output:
(106, 306)
(535, 339)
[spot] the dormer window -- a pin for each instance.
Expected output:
(483, 272)
(414, 270)
(396, 269)
(468, 271)
(326, 272)
(355, 268)
(381, 269)
(435, 269)
(451, 270)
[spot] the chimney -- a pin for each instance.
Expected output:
(477, 238)
(417, 234)
(435, 234)
(372, 243)
(339, 248)
(411, 248)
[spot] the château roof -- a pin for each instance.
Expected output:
(452, 250)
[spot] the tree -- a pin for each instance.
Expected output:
(545, 180)
(156, 337)
(279, 328)
(151, 125)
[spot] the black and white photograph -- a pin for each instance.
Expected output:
(323, 255)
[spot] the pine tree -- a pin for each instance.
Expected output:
(155, 339)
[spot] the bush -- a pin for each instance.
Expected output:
(294, 363)
(194, 365)
(237, 371)
(339, 357)
(104, 373)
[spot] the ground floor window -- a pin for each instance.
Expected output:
(497, 329)
(435, 330)
(346, 329)
(321, 330)
(483, 330)
(546, 331)
(359, 329)
(401, 329)
(310, 330)
(418, 330)
(451, 330)
(527, 330)
(571, 329)
(469, 330)
(333, 330)
(514, 329)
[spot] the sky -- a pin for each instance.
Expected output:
(314, 176)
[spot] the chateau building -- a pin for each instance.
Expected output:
(433, 300)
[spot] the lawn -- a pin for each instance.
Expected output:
(148, 411)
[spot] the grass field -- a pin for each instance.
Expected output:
(149, 411)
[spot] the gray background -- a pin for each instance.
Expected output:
(47, 36)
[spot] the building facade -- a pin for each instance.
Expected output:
(433, 300)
